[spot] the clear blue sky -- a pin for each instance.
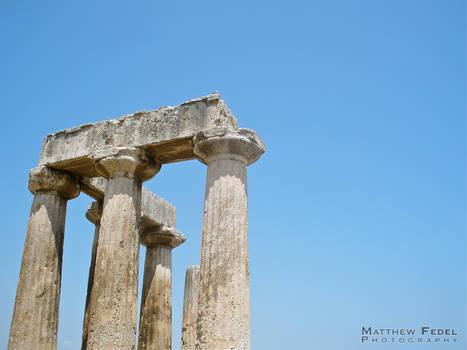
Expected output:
(357, 210)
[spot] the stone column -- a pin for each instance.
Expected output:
(223, 304)
(155, 325)
(93, 214)
(113, 304)
(190, 308)
(35, 317)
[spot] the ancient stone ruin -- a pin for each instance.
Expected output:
(109, 161)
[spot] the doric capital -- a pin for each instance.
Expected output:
(128, 162)
(44, 179)
(243, 144)
(94, 212)
(161, 236)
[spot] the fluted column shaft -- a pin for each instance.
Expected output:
(113, 305)
(224, 300)
(190, 308)
(155, 327)
(224, 295)
(93, 214)
(156, 304)
(35, 317)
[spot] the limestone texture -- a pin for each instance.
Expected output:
(109, 161)
(165, 134)
(190, 308)
(93, 214)
(223, 302)
(155, 326)
(34, 323)
(154, 209)
(114, 296)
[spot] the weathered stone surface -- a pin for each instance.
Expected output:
(154, 210)
(166, 134)
(114, 296)
(152, 234)
(93, 214)
(244, 144)
(155, 326)
(190, 308)
(46, 180)
(155, 236)
(127, 151)
(223, 304)
(94, 187)
(35, 317)
(127, 162)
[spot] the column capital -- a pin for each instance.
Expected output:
(161, 236)
(94, 212)
(243, 144)
(43, 179)
(127, 162)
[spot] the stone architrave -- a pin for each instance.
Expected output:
(155, 326)
(112, 320)
(165, 134)
(190, 308)
(223, 304)
(35, 317)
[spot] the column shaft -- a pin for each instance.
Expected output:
(223, 304)
(35, 317)
(114, 296)
(93, 214)
(155, 325)
(190, 308)
(34, 323)
(223, 321)
(155, 330)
